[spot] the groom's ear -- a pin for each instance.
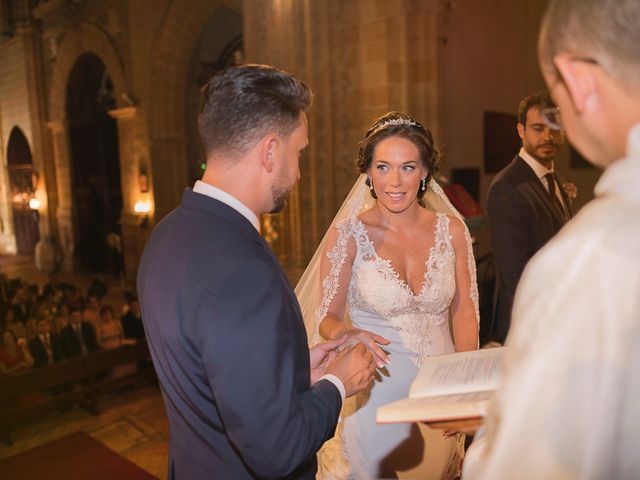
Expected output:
(269, 147)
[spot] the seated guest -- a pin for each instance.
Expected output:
(45, 347)
(79, 337)
(132, 321)
(110, 337)
(110, 331)
(47, 304)
(91, 312)
(17, 328)
(14, 354)
(21, 305)
(61, 320)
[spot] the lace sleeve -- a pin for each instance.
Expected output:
(464, 309)
(335, 271)
(324, 285)
(437, 200)
(324, 290)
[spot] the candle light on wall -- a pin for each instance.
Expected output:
(142, 209)
(142, 206)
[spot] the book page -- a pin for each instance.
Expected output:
(459, 373)
(437, 408)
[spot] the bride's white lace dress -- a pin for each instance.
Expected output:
(417, 324)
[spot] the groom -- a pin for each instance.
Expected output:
(244, 396)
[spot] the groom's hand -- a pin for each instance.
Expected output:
(321, 354)
(354, 366)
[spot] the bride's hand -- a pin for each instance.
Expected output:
(371, 341)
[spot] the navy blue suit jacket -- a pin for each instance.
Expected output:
(228, 343)
(522, 219)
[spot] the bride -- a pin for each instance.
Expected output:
(395, 272)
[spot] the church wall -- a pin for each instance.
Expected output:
(15, 112)
(361, 62)
(18, 108)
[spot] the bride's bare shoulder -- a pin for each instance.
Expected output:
(370, 217)
(456, 226)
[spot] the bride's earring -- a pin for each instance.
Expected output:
(369, 182)
(423, 184)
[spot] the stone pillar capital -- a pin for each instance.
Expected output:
(124, 112)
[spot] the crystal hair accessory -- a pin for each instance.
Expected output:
(398, 121)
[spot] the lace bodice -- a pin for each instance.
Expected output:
(376, 287)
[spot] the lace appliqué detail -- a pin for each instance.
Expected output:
(377, 287)
(337, 256)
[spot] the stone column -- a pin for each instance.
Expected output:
(135, 186)
(64, 211)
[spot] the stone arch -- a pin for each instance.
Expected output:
(18, 148)
(86, 38)
(22, 186)
(177, 39)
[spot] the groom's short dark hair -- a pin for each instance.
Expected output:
(242, 104)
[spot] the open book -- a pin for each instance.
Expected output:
(449, 387)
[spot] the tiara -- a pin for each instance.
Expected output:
(397, 121)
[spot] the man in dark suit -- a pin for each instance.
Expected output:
(526, 204)
(79, 337)
(244, 395)
(132, 327)
(21, 305)
(45, 347)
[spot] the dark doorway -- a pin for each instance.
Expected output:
(23, 180)
(96, 190)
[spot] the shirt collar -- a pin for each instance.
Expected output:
(539, 169)
(222, 196)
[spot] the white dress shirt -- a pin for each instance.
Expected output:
(541, 171)
(222, 196)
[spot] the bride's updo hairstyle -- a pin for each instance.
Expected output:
(396, 124)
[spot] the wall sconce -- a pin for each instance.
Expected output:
(34, 205)
(143, 180)
(142, 208)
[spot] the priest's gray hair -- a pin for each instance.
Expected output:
(605, 31)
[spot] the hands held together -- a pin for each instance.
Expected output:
(352, 357)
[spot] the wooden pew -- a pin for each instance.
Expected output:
(81, 379)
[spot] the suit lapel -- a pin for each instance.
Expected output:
(536, 189)
(283, 276)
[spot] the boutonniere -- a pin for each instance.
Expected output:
(570, 189)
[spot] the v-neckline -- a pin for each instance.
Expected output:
(401, 281)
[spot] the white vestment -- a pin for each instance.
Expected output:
(569, 407)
